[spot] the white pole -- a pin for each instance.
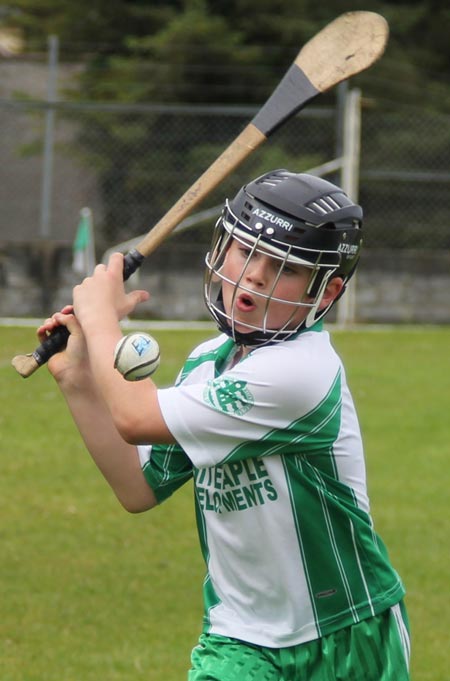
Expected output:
(350, 184)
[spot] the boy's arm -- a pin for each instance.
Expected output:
(117, 460)
(99, 303)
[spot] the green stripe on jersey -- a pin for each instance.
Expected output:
(168, 469)
(219, 356)
(210, 598)
(324, 544)
(313, 433)
(343, 564)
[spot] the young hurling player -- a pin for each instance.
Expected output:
(298, 584)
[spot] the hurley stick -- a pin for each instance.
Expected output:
(345, 47)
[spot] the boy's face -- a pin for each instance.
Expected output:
(257, 275)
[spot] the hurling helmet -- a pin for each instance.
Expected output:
(297, 219)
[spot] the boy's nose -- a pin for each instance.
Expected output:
(258, 271)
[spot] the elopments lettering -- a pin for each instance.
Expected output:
(235, 486)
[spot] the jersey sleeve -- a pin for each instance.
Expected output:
(274, 397)
(165, 467)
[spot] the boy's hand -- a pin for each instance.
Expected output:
(74, 356)
(103, 297)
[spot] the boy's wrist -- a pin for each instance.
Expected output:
(75, 378)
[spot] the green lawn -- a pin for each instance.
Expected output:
(91, 593)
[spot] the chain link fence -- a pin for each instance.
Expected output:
(405, 179)
(128, 164)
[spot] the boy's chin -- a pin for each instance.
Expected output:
(243, 327)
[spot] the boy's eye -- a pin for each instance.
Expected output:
(245, 251)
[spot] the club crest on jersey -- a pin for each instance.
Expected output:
(229, 396)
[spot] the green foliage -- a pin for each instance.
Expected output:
(146, 45)
(89, 592)
(84, 27)
(219, 52)
(195, 53)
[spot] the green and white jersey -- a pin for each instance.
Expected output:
(283, 516)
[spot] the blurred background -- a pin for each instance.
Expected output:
(109, 111)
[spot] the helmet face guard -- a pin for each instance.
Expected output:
(295, 220)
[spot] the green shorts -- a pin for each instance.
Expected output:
(376, 649)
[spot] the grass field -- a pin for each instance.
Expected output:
(91, 593)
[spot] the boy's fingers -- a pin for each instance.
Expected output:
(138, 296)
(49, 325)
(44, 329)
(115, 263)
(98, 268)
(65, 319)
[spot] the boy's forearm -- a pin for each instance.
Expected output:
(133, 406)
(117, 460)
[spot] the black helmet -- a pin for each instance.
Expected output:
(297, 218)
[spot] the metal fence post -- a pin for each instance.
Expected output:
(47, 171)
(350, 184)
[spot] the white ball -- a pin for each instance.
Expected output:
(136, 356)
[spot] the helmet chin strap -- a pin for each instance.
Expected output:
(311, 318)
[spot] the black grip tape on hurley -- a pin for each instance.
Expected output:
(293, 92)
(58, 338)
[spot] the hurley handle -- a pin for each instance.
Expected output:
(26, 365)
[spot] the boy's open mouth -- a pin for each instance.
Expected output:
(245, 303)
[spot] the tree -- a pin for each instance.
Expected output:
(206, 52)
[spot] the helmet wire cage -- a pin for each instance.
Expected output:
(228, 228)
(296, 220)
